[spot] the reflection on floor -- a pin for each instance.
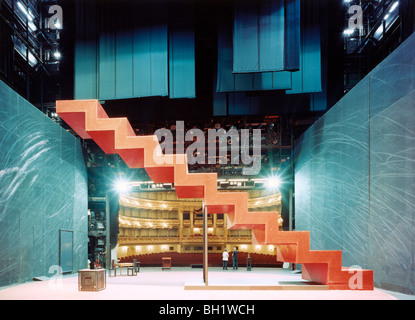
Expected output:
(155, 284)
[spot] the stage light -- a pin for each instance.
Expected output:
(122, 186)
(273, 183)
(348, 32)
(57, 55)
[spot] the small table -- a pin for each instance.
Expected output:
(92, 280)
(123, 265)
(166, 263)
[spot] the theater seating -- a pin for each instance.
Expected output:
(214, 259)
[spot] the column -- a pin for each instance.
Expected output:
(180, 210)
(191, 223)
(215, 216)
(205, 245)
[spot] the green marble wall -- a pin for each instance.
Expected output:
(355, 174)
(43, 188)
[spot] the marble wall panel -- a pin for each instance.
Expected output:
(392, 193)
(80, 221)
(355, 174)
(302, 189)
(9, 208)
(43, 188)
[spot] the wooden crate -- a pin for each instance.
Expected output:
(92, 280)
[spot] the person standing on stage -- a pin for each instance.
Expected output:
(225, 257)
(235, 258)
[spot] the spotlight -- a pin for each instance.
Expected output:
(348, 32)
(273, 183)
(57, 55)
(122, 186)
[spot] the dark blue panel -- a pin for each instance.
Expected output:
(271, 35)
(225, 78)
(266, 36)
(85, 60)
(123, 53)
(106, 52)
(309, 78)
(258, 36)
(238, 103)
(272, 80)
(159, 60)
(292, 34)
(150, 49)
(141, 61)
(182, 83)
(227, 81)
(245, 37)
(219, 104)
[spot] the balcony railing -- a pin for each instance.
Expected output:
(135, 223)
(126, 201)
(185, 240)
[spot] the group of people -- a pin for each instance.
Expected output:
(225, 258)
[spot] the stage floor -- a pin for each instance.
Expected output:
(175, 284)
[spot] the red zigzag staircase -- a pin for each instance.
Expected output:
(116, 136)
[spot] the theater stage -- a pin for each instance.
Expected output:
(155, 284)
